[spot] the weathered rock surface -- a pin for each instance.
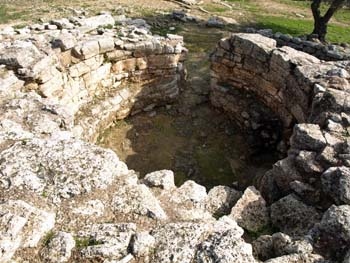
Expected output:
(225, 246)
(137, 199)
(296, 258)
(221, 199)
(250, 211)
(65, 168)
(59, 248)
(293, 216)
(21, 226)
(163, 179)
(109, 241)
(203, 242)
(332, 234)
(336, 183)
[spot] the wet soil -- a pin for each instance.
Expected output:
(189, 137)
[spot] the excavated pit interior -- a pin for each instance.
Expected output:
(191, 137)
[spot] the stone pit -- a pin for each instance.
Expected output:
(64, 199)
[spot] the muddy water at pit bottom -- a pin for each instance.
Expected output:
(204, 146)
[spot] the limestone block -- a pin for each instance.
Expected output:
(53, 88)
(65, 41)
(251, 211)
(117, 55)
(112, 240)
(59, 248)
(336, 183)
(20, 54)
(292, 216)
(106, 44)
(308, 137)
(87, 49)
(163, 179)
(221, 199)
(137, 200)
(94, 77)
(85, 66)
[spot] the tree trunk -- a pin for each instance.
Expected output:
(321, 22)
(320, 29)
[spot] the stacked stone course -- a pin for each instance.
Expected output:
(97, 74)
(302, 89)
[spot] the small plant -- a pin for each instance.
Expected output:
(86, 242)
(110, 26)
(48, 237)
(266, 230)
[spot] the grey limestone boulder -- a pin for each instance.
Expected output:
(59, 248)
(177, 242)
(292, 216)
(221, 199)
(308, 137)
(20, 54)
(142, 244)
(332, 234)
(190, 191)
(297, 258)
(109, 241)
(336, 183)
(138, 200)
(59, 168)
(225, 244)
(163, 179)
(251, 211)
(285, 245)
(263, 247)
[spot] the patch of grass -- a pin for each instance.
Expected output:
(180, 178)
(9, 14)
(19, 26)
(86, 242)
(266, 230)
(48, 237)
(297, 27)
(214, 166)
(199, 40)
(215, 8)
(163, 31)
(120, 123)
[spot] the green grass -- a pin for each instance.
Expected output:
(209, 160)
(8, 14)
(215, 8)
(86, 242)
(48, 237)
(296, 27)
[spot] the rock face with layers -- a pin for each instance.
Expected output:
(100, 75)
(293, 87)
